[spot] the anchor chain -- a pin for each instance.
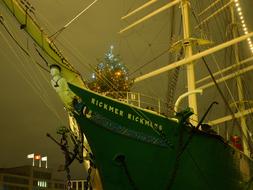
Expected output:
(64, 148)
(68, 178)
(69, 156)
(121, 160)
(182, 145)
(87, 183)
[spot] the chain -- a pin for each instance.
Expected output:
(121, 160)
(69, 156)
(87, 184)
(182, 146)
(64, 147)
(68, 178)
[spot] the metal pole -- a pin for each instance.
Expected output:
(241, 105)
(200, 91)
(192, 100)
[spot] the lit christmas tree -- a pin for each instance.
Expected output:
(111, 77)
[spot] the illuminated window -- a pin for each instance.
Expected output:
(42, 184)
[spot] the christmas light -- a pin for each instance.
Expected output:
(111, 75)
(244, 26)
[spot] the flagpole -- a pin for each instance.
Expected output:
(31, 156)
(44, 159)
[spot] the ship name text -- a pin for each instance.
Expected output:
(107, 107)
(130, 116)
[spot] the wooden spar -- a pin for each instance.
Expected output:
(227, 77)
(165, 7)
(214, 14)
(229, 117)
(139, 9)
(226, 69)
(209, 7)
(79, 14)
(194, 57)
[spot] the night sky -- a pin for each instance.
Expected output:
(29, 106)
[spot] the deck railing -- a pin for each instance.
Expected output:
(140, 100)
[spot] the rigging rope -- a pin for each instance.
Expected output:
(175, 73)
(139, 113)
(109, 83)
(226, 103)
(149, 44)
(151, 61)
(33, 86)
(221, 25)
(226, 15)
(19, 45)
(71, 21)
(200, 171)
(182, 147)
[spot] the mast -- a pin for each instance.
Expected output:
(189, 56)
(192, 100)
(194, 57)
(240, 105)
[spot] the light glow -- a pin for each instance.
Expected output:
(37, 157)
(42, 184)
(244, 27)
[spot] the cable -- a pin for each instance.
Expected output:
(219, 67)
(30, 83)
(152, 60)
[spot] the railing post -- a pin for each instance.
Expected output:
(159, 105)
(139, 99)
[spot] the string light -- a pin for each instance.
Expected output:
(111, 75)
(244, 26)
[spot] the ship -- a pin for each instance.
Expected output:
(131, 147)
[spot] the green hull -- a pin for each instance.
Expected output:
(137, 149)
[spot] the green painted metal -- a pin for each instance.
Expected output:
(138, 149)
(207, 162)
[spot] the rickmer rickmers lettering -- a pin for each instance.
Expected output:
(107, 107)
(133, 117)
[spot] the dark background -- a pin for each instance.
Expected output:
(29, 107)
